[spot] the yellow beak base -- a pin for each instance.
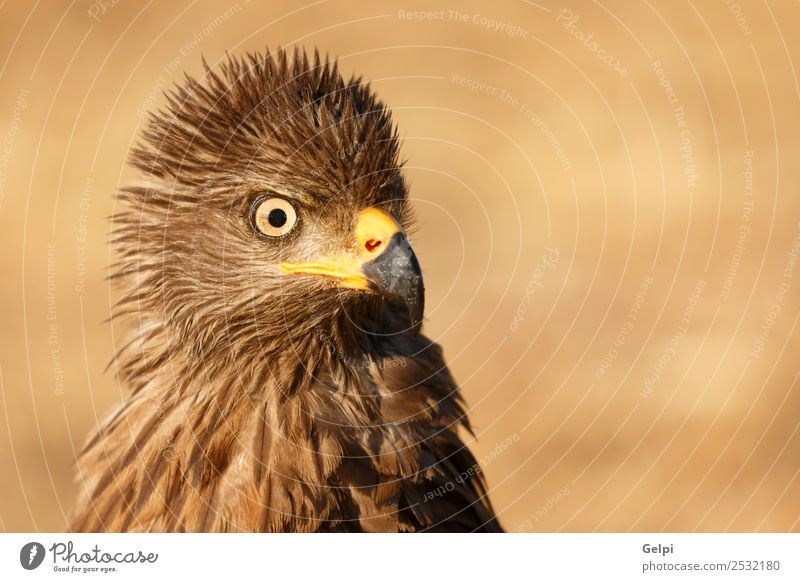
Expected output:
(383, 262)
(373, 231)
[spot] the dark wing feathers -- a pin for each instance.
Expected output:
(387, 458)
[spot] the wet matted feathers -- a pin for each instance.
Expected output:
(277, 380)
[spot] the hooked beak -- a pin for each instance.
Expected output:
(384, 263)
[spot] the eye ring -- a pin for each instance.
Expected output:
(273, 216)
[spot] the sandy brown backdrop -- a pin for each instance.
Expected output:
(608, 202)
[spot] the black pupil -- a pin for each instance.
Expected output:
(276, 217)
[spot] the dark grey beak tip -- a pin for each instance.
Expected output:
(396, 273)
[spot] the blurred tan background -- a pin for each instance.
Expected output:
(609, 228)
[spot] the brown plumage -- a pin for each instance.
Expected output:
(265, 397)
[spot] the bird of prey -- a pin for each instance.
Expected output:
(278, 381)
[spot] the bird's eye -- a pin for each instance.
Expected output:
(274, 216)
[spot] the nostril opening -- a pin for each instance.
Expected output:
(372, 244)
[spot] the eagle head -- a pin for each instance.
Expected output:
(272, 201)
